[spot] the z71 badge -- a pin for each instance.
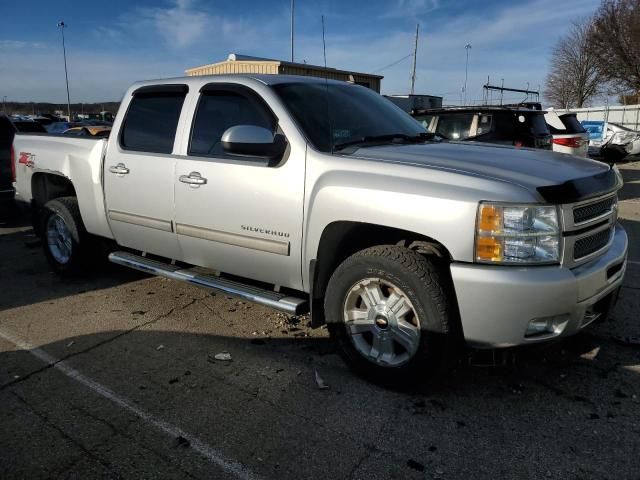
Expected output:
(27, 159)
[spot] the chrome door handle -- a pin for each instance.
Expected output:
(120, 169)
(194, 178)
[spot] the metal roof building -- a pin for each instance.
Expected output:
(245, 64)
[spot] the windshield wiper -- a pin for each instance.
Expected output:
(377, 139)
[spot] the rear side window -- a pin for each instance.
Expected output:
(151, 122)
(538, 124)
(456, 126)
(571, 124)
(220, 110)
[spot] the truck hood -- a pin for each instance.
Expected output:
(558, 178)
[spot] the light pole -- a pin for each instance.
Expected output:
(467, 47)
(61, 24)
(293, 6)
(4, 103)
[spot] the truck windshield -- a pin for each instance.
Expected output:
(334, 114)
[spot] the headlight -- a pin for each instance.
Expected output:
(517, 234)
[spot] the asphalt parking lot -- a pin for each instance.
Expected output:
(114, 375)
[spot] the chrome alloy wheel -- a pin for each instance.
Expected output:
(381, 322)
(59, 239)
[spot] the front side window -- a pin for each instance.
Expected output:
(455, 126)
(425, 120)
(334, 113)
(223, 109)
(484, 124)
(152, 121)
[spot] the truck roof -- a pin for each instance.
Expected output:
(265, 79)
(479, 108)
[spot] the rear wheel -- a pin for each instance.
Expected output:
(64, 236)
(389, 311)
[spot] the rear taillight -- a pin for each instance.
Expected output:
(571, 142)
(13, 164)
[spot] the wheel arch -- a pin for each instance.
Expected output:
(341, 239)
(47, 186)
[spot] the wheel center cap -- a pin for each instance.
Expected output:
(381, 321)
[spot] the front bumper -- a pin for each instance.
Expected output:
(497, 303)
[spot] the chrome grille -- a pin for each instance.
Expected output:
(593, 210)
(591, 244)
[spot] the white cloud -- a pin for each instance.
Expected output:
(93, 76)
(19, 44)
(511, 43)
(181, 25)
(410, 8)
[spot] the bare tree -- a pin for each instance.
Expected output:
(615, 39)
(559, 90)
(574, 78)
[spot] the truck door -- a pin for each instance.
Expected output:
(139, 171)
(239, 214)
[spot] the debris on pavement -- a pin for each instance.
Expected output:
(591, 355)
(160, 347)
(415, 465)
(627, 340)
(320, 381)
(182, 442)
(70, 343)
(223, 357)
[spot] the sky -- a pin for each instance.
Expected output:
(112, 43)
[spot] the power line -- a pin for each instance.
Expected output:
(392, 64)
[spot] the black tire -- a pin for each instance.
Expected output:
(426, 284)
(8, 211)
(68, 210)
(613, 155)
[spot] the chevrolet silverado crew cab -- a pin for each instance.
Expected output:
(304, 194)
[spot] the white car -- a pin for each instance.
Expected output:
(569, 136)
(611, 141)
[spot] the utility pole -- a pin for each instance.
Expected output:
(4, 103)
(61, 24)
(415, 58)
(293, 6)
(467, 47)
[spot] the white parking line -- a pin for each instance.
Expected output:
(632, 262)
(229, 466)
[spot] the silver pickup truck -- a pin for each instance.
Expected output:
(309, 195)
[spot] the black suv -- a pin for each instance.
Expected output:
(517, 126)
(7, 131)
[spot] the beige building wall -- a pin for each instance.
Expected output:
(275, 67)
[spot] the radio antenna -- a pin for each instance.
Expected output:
(324, 44)
(326, 84)
(415, 59)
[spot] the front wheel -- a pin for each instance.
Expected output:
(389, 310)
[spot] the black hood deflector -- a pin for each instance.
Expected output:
(580, 189)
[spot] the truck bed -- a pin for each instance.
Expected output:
(79, 159)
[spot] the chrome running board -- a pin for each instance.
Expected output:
(268, 298)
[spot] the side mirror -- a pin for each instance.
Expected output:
(253, 141)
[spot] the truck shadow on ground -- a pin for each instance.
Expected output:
(566, 394)
(631, 189)
(26, 278)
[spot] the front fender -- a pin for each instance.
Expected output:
(434, 203)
